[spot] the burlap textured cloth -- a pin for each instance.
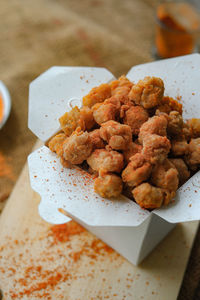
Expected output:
(36, 35)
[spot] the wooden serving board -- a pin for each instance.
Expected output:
(36, 263)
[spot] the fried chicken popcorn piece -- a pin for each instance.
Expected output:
(183, 172)
(108, 185)
(155, 148)
(120, 88)
(186, 132)
(168, 104)
(114, 100)
(70, 121)
(155, 125)
(121, 82)
(124, 109)
(137, 171)
(194, 125)
(132, 149)
(147, 92)
(179, 147)
(159, 113)
(86, 118)
(135, 116)
(148, 196)
(77, 147)
(96, 140)
(104, 112)
(175, 123)
(165, 176)
(110, 161)
(193, 157)
(117, 135)
(75, 118)
(55, 144)
(97, 95)
(167, 196)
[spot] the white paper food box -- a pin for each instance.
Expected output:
(121, 223)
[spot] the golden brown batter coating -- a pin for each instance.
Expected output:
(155, 125)
(55, 144)
(115, 101)
(186, 133)
(121, 82)
(124, 109)
(193, 157)
(168, 196)
(104, 112)
(108, 185)
(70, 121)
(120, 88)
(117, 135)
(194, 125)
(86, 118)
(137, 171)
(169, 104)
(75, 118)
(108, 110)
(175, 123)
(155, 148)
(132, 149)
(96, 140)
(110, 161)
(135, 116)
(165, 176)
(97, 94)
(148, 196)
(77, 147)
(147, 92)
(183, 172)
(179, 147)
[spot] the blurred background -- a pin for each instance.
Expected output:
(114, 34)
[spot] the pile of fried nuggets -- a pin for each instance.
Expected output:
(133, 138)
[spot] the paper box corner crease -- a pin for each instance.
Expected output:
(122, 224)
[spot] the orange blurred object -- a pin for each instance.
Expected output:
(177, 27)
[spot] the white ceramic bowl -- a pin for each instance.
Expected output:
(6, 102)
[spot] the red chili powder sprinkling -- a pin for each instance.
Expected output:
(178, 97)
(12, 270)
(63, 232)
(52, 281)
(87, 177)
(39, 280)
(97, 245)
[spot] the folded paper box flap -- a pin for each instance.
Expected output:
(55, 91)
(73, 191)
